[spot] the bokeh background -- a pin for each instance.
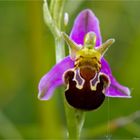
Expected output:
(27, 53)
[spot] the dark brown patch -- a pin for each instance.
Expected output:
(85, 98)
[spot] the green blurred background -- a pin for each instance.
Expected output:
(27, 53)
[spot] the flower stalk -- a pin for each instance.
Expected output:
(53, 17)
(75, 121)
(51, 22)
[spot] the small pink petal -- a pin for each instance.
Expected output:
(85, 22)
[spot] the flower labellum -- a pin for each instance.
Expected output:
(86, 85)
(85, 73)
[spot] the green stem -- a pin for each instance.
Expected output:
(74, 117)
(75, 121)
(59, 49)
(52, 3)
(49, 21)
(58, 12)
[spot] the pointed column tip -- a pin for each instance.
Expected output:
(104, 47)
(73, 47)
(111, 41)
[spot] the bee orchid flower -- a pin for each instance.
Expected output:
(85, 73)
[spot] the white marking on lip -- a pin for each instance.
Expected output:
(79, 86)
(93, 87)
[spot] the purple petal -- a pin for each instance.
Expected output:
(53, 78)
(115, 89)
(85, 22)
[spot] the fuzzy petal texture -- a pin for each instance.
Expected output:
(115, 89)
(85, 22)
(53, 78)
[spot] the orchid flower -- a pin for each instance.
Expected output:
(85, 73)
